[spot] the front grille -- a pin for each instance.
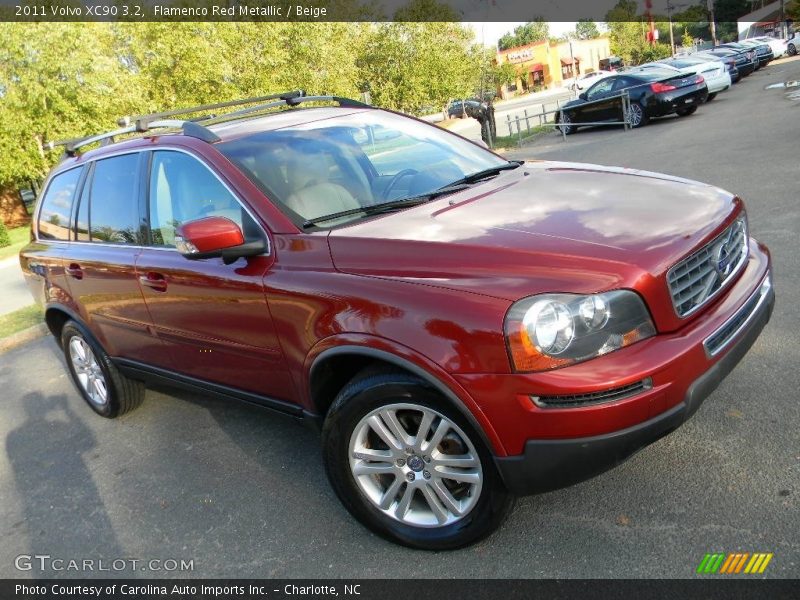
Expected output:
(700, 276)
(572, 401)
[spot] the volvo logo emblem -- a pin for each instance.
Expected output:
(726, 253)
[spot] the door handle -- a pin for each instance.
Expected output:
(155, 281)
(74, 270)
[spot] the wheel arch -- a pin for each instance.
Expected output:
(334, 367)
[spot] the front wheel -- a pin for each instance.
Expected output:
(791, 49)
(685, 112)
(638, 117)
(565, 124)
(409, 466)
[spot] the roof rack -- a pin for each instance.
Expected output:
(295, 101)
(192, 127)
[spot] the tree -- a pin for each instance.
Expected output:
(586, 29)
(410, 66)
(534, 31)
(627, 35)
(687, 41)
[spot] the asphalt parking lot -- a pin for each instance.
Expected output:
(242, 492)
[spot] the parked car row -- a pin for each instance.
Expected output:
(676, 85)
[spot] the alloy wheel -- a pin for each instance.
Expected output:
(88, 372)
(565, 123)
(415, 465)
(636, 114)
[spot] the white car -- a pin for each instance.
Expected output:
(716, 74)
(779, 47)
(793, 44)
(588, 79)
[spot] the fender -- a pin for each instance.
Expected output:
(405, 358)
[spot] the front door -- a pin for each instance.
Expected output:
(213, 317)
(599, 107)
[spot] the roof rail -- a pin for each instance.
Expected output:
(192, 127)
(146, 119)
(294, 101)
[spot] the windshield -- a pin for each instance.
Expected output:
(359, 160)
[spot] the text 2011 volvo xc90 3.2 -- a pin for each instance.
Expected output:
(463, 329)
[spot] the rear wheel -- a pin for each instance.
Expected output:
(637, 115)
(791, 49)
(409, 466)
(685, 112)
(711, 96)
(109, 393)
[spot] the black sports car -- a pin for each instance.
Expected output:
(653, 93)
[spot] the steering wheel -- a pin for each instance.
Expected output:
(397, 177)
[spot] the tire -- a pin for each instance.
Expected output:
(685, 112)
(791, 49)
(711, 96)
(639, 117)
(88, 363)
(393, 399)
(565, 124)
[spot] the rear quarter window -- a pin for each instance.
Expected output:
(54, 215)
(114, 201)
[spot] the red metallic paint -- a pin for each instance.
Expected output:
(430, 284)
(211, 233)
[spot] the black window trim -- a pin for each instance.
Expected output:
(43, 195)
(143, 198)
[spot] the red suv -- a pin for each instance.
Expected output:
(462, 328)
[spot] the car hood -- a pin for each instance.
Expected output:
(546, 226)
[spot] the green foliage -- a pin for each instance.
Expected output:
(4, 239)
(586, 29)
(65, 80)
(628, 36)
(408, 66)
(535, 31)
(686, 39)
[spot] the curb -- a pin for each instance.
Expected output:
(23, 337)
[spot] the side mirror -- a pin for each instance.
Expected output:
(213, 237)
(583, 96)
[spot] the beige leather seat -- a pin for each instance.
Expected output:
(312, 195)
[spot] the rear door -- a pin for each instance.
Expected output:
(100, 264)
(213, 317)
(41, 260)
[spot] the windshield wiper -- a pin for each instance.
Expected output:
(474, 177)
(375, 209)
(450, 188)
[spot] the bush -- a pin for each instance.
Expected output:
(4, 239)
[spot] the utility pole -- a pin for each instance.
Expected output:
(784, 33)
(712, 22)
(671, 34)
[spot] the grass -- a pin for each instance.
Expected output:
(19, 237)
(512, 141)
(21, 319)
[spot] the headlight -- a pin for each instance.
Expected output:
(555, 330)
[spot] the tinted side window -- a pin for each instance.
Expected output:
(602, 87)
(183, 189)
(113, 203)
(57, 206)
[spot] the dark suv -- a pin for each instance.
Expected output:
(461, 328)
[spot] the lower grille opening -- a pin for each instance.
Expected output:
(612, 395)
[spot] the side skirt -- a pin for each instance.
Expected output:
(151, 374)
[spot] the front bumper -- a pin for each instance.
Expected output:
(551, 464)
(546, 445)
